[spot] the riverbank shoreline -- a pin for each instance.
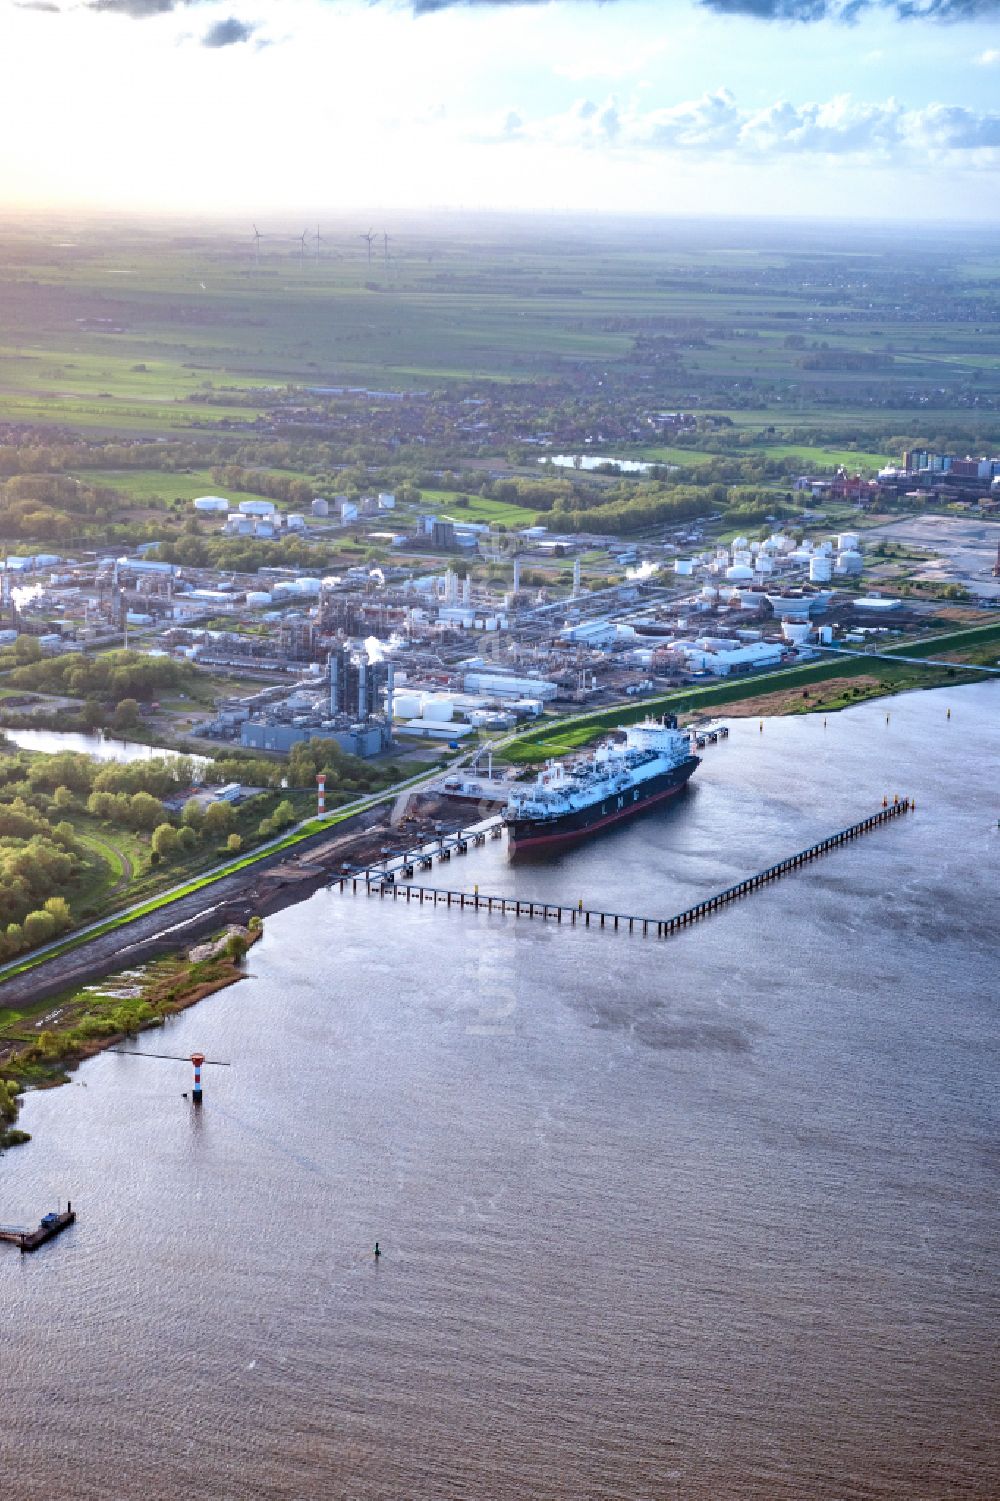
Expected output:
(179, 982)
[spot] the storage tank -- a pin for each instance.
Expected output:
(739, 542)
(743, 557)
(820, 570)
(825, 548)
(684, 566)
(796, 631)
(764, 563)
(308, 586)
(210, 503)
(257, 507)
(257, 598)
(440, 709)
(826, 634)
(793, 606)
(848, 542)
(407, 705)
(850, 563)
(739, 573)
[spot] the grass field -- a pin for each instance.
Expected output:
(125, 333)
(478, 509)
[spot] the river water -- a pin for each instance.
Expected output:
(707, 1218)
(102, 747)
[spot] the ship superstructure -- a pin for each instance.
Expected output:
(568, 801)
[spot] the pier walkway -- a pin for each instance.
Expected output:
(372, 883)
(48, 1228)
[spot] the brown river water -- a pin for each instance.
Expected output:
(713, 1217)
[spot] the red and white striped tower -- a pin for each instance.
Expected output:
(321, 793)
(197, 1059)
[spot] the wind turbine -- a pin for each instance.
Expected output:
(257, 237)
(385, 248)
(319, 241)
(369, 237)
(302, 242)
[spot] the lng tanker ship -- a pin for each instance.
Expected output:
(568, 802)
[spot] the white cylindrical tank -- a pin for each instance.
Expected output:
(739, 573)
(850, 562)
(684, 566)
(308, 586)
(257, 507)
(763, 563)
(826, 634)
(442, 709)
(210, 503)
(709, 594)
(848, 542)
(258, 597)
(739, 542)
(825, 548)
(407, 705)
(796, 631)
(742, 555)
(820, 570)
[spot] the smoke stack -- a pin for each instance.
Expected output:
(334, 664)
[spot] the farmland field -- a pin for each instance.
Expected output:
(163, 333)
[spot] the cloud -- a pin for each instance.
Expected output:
(139, 10)
(715, 124)
(228, 33)
(988, 58)
(848, 11)
(803, 11)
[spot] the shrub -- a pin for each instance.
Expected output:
(39, 927)
(166, 841)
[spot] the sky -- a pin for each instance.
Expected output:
(274, 109)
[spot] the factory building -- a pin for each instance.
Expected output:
(723, 658)
(358, 685)
(495, 685)
(357, 740)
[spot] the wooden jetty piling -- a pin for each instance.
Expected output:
(663, 927)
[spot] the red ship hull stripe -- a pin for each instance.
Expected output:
(616, 817)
